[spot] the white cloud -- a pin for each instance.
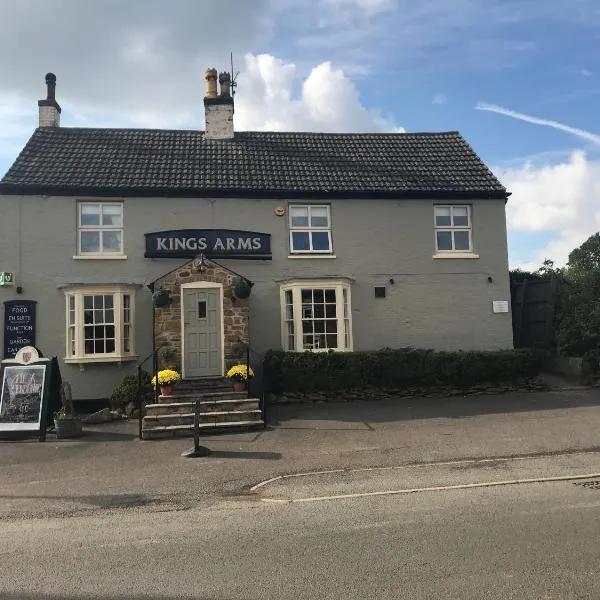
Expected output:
(327, 101)
(586, 135)
(439, 99)
(585, 72)
(561, 199)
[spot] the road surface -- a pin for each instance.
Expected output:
(342, 535)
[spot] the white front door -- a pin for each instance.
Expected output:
(202, 332)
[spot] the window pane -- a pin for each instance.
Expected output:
(108, 301)
(331, 341)
(330, 296)
(98, 302)
(460, 216)
(319, 216)
(111, 215)
(319, 295)
(319, 311)
(330, 311)
(89, 215)
(111, 241)
(306, 295)
(444, 240)
(300, 240)
(89, 241)
(442, 216)
(88, 302)
(461, 240)
(299, 216)
(320, 240)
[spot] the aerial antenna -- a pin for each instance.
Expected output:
(233, 76)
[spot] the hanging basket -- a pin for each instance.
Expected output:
(161, 298)
(242, 289)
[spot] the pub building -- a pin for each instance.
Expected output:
(285, 240)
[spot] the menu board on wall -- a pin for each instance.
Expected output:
(24, 396)
(19, 326)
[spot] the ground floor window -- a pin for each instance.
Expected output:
(100, 324)
(316, 315)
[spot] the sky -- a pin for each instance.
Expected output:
(520, 79)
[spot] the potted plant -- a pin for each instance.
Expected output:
(66, 423)
(239, 375)
(167, 378)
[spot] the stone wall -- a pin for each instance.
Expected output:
(412, 393)
(235, 310)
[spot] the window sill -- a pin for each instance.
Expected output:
(83, 360)
(100, 257)
(309, 255)
(455, 255)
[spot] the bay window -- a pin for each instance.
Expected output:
(100, 324)
(316, 315)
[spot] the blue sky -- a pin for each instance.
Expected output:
(531, 66)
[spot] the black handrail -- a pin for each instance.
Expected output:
(262, 402)
(154, 356)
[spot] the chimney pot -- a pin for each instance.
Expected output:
(225, 81)
(49, 108)
(210, 75)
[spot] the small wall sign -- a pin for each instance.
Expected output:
(500, 306)
(19, 326)
(6, 278)
(213, 243)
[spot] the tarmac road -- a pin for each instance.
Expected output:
(524, 541)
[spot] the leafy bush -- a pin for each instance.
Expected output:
(127, 391)
(401, 368)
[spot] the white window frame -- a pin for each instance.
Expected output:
(345, 342)
(75, 333)
(452, 228)
(310, 229)
(100, 228)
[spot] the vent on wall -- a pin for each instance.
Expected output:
(379, 292)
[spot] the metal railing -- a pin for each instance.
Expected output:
(254, 386)
(154, 356)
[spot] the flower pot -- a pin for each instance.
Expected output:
(239, 386)
(69, 427)
(166, 390)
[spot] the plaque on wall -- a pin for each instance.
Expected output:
(24, 397)
(19, 326)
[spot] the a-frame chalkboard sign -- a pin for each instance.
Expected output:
(24, 394)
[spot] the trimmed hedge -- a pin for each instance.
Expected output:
(401, 368)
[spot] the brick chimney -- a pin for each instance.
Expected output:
(218, 109)
(49, 108)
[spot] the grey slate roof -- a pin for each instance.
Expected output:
(138, 162)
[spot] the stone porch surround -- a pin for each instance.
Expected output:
(236, 311)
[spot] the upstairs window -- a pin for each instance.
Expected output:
(310, 229)
(100, 228)
(453, 229)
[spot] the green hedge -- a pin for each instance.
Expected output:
(402, 368)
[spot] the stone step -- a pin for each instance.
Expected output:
(188, 396)
(152, 421)
(164, 408)
(220, 383)
(205, 428)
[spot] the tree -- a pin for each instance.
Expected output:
(586, 258)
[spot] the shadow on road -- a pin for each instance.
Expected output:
(253, 455)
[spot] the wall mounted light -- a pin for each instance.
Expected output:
(200, 263)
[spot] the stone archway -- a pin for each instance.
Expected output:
(235, 312)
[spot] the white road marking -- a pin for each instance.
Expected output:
(415, 465)
(438, 488)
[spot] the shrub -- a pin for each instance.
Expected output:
(401, 368)
(127, 391)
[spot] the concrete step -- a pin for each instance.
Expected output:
(188, 396)
(161, 431)
(165, 408)
(212, 384)
(152, 421)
